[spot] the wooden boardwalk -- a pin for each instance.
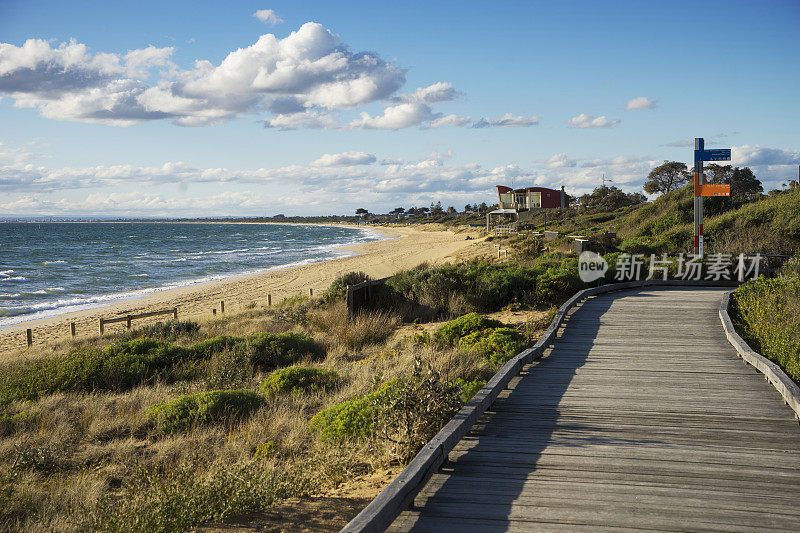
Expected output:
(642, 416)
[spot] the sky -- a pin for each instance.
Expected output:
(242, 108)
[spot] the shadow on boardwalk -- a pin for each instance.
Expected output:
(641, 417)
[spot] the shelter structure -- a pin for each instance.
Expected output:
(519, 205)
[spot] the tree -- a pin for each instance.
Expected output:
(666, 177)
(467, 208)
(361, 211)
(610, 199)
(451, 210)
(744, 185)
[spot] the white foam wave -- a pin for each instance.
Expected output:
(6, 273)
(14, 278)
(22, 314)
(53, 262)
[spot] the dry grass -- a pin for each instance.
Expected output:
(368, 327)
(75, 461)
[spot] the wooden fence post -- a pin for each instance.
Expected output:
(128, 321)
(311, 292)
(72, 328)
(29, 335)
(175, 314)
(221, 307)
(269, 300)
(101, 327)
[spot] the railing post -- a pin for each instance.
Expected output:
(29, 335)
(175, 314)
(128, 321)
(222, 307)
(102, 329)
(72, 328)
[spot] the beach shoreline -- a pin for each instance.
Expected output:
(399, 248)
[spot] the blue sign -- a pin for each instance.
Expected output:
(720, 154)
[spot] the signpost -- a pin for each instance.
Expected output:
(701, 188)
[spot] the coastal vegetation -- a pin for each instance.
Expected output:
(177, 424)
(173, 425)
(767, 316)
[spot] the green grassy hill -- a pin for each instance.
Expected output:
(770, 225)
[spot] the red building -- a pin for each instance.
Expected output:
(531, 198)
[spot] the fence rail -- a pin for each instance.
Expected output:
(129, 318)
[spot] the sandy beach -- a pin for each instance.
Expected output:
(403, 248)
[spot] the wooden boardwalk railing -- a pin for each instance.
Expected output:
(641, 416)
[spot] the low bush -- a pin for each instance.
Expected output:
(497, 345)
(203, 408)
(767, 314)
(338, 287)
(451, 333)
(299, 379)
(126, 364)
(167, 331)
(268, 350)
(484, 286)
(468, 388)
(350, 420)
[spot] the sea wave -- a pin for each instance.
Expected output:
(27, 310)
(60, 261)
(19, 279)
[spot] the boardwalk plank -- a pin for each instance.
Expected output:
(640, 416)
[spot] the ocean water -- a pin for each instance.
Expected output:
(53, 268)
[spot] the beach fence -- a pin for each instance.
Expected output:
(129, 318)
(362, 295)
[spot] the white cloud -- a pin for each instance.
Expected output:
(559, 161)
(588, 121)
(450, 120)
(508, 120)
(641, 102)
(309, 70)
(351, 178)
(315, 120)
(395, 117)
(344, 159)
(438, 92)
(747, 155)
(267, 16)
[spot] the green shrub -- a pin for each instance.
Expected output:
(269, 350)
(127, 364)
(468, 388)
(203, 408)
(299, 379)
(338, 287)
(497, 345)
(168, 331)
(767, 313)
(350, 420)
(450, 333)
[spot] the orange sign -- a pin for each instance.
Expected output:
(713, 189)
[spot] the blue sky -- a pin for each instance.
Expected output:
(193, 108)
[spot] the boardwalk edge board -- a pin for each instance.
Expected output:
(787, 388)
(396, 496)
